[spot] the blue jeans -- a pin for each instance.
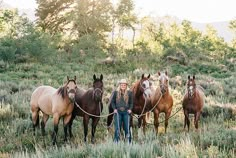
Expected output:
(122, 118)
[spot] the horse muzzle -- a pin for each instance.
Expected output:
(147, 93)
(71, 96)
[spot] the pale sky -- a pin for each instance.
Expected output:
(203, 11)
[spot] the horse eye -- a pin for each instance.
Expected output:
(67, 88)
(76, 87)
(144, 85)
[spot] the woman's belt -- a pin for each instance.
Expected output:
(122, 109)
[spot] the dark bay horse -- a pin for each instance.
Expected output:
(88, 103)
(162, 101)
(57, 102)
(141, 101)
(193, 102)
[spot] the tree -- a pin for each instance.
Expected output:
(232, 26)
(125, 16)
(91, 17)
(53, 15)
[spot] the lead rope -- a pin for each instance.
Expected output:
(100, 116)
(149, 110)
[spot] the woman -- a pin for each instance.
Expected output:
(122, 103)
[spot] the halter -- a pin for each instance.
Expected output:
(143, 87)
(194, 87)
(165, 87)
(97, 89)
(71, 91)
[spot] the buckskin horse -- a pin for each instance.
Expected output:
(57, 102)
(88, 104)
(193, 102)
(162, 101)
(141, 102)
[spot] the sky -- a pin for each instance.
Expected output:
(202, 11)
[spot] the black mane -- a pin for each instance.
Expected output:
(61, 92)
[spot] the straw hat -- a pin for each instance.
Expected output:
(123, 81)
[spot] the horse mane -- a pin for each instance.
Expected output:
(134, 87)
(61, 91)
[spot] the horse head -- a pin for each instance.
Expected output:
(191, 86)
(71, 88)
(145, 85)
(97, 87)
(163, 82)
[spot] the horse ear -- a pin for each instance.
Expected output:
(94, 77)
(188, 77)
(159, 73)
(101, 77)
(142, 76)
(67, 78)
(75, 78)
(193, 77)
(166, 73)
(148, 76)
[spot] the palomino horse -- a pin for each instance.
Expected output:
(193, 102)
(162, 101)
(57, 102)
(141, 101)
(88, 104)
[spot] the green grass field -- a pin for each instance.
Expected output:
(215, 137)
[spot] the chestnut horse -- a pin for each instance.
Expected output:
(193, 102)
(162, 101)
(88, 104)
(141, 101)
(57, 102)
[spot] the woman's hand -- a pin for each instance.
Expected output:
(115, 111)
(129, 111)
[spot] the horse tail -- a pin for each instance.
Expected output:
(37, 121)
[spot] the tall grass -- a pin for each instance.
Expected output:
(215, 137)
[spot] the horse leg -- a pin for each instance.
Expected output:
(66, 121)
(144, 124)
(186, 119)
(139, 122)
(43, 123)
(156, 117)
(197, 119)
(35, 118)
(167, 115)
(148, 117)
(85, 122)
(70, 125)
(56, 118)
(94, 125)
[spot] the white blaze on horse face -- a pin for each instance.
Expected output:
(190, 88)
(71, 89)
(147, 90)
(163, 79)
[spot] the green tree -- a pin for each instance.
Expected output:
(232, 26)
(91, 17)
(53, 15)
(126, 17)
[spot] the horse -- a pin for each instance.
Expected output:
(193, 102)
(88, 104)
(162, 101)
(141, 91)
(57, 102)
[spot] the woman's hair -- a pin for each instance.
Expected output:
(126, 95)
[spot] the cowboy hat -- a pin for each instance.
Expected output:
(123, 81)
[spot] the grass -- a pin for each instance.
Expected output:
(215, 138)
